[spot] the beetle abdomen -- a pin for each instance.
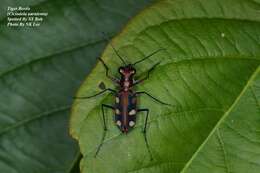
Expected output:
(125, 110)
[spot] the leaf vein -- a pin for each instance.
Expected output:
(221, 119)
(36, 117)
(221, 142)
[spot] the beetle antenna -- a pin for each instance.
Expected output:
(109, 42)
(148, 56)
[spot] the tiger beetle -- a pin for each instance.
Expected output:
(125, 107)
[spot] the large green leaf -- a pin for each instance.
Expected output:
(212, 55)
(233, 144)
(40, 70)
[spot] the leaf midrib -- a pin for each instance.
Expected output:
(34, 118)
(49, 56)
(254, 74)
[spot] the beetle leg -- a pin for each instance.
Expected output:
(105, 126)
(144, 92)
(147, 76)
(87, 97)
(144, 130)
(115, 80)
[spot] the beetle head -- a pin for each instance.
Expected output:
(127, 70)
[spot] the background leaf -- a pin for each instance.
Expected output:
(40, 70)
(212, 53)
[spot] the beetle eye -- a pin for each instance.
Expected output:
(133, 71)
(121, 70)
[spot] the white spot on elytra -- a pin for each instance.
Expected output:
(131, 123)
(222, 35)
(118, 123)
(117, 100)
(117, 111)
(132, 112)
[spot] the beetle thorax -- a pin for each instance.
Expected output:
(127, 72)
(127, 83)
